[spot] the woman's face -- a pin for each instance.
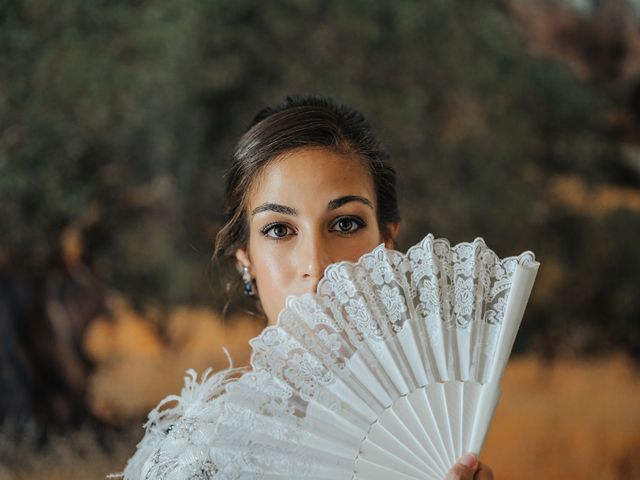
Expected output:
(309, 208)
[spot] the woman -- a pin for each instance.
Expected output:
(309, 186)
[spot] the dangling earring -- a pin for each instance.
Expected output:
(246, 279)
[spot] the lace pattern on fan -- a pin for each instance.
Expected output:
(445, 302)
(367, 302)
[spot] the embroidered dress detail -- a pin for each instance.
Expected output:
(180, 432)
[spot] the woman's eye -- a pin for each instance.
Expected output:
(278, 230)
(347, 225)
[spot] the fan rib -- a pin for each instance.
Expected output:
(369, 470)
(453, 400)
(426, 460)
(420, 421)
(392, 458)
(390, 433)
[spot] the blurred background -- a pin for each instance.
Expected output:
(514, 120)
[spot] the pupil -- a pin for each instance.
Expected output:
(280, 231)
(345, 224)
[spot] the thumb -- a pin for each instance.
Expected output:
(464, 469)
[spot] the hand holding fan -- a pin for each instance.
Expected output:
(391, 370)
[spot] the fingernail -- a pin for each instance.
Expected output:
(468, 460)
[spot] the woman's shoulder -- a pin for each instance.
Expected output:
(180, 431)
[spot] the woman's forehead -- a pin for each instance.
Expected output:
(312, 174)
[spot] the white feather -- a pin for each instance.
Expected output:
(180, 432)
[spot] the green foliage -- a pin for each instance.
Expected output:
(119, 117)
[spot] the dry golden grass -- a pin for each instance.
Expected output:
(573, 193)
(136, 367)
(76, 456)
(575, 419)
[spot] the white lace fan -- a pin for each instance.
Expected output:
(391, 371)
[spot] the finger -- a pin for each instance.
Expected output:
(464, 469)
(484, 472)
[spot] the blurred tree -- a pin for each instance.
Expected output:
(117, 119)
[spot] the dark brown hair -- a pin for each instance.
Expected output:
(306, 121)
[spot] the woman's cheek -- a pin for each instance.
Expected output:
(273, 280)
(362, 245)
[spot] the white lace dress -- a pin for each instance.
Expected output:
(181, 440)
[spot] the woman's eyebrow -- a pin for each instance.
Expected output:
(338, 202)
(274, 207)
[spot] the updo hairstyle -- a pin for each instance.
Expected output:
(302, 121)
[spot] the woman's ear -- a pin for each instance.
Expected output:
(242, 256)
(392, 230)
(244, 267)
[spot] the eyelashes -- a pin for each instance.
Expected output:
(345, 225)
(275, 230)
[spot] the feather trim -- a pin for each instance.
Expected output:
(180, 431)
